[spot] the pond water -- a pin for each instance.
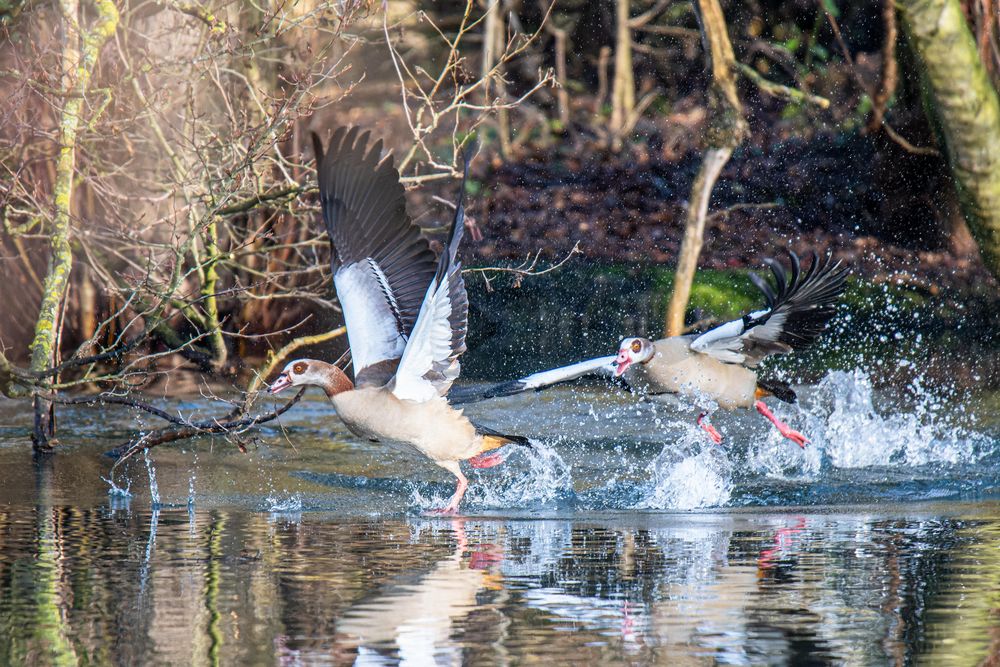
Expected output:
(623, 536)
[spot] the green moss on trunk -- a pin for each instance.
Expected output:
(79, 58)
(967, 110)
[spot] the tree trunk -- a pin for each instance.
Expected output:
(623, 85)
(966, 109)
(493, 46)
(79, 56)
(726, 129)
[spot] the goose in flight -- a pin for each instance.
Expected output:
(721, 363)
(405, 311)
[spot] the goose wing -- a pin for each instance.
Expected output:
(799, 307)
(430, 361)
(381, 262)
(536, 381)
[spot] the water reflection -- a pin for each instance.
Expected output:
(106, 585)
(414, 615)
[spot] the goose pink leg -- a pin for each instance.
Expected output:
(708, 428)
(451, 509)
(785, 429)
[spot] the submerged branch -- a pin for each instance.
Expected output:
(188, 429)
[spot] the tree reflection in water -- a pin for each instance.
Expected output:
(119, 585)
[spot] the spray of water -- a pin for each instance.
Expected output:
(688, 474)
(844, 423)
(283, 503)
(530, 477)
(847, 432)
(154, 488)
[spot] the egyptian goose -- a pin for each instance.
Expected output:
(405, 311)
(719, 364)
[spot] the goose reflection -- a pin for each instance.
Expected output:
(415, 616)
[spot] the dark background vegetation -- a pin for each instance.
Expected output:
(232, 91)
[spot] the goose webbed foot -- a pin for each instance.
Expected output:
(461, 484)
(782, 427)
(486, 460)
(709, 429)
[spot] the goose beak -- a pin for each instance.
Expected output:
(281, 382)
(622, 363)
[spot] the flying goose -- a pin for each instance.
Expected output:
(406, 315)
(719, 364)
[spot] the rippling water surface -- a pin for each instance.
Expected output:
(622, 537)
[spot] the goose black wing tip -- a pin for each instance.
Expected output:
(476, 393)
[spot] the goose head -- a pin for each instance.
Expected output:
(633, 351)
(304, 372)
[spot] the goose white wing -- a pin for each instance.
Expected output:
(430, 361)
(598, 366)
(381, 263)
(536, 381)
(796, 315)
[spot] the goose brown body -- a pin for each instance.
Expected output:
(676, 369)
(433, 428)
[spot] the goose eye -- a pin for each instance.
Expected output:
(636, 346)
(299, 368)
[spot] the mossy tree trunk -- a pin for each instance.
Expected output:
(79, 58)
(966, 110)
(726, 130)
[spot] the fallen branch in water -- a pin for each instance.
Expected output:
(229, 425)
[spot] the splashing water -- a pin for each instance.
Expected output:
(529, 477)
(119, 497)
(917, 445)
(535, 475)
(682, 480)
(154, 488)
(283, 503)
(844, 423)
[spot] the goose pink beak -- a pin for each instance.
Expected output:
(622, 363)
(281, 382)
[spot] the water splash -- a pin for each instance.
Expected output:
(115, 491)
(844, 423)
(531, 476)
(283, 503)
(689, 475)
(118, 497)
(154, 488)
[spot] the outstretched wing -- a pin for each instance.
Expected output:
(430, 362)
(537, 381)
(381, 263)
(798, 310)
